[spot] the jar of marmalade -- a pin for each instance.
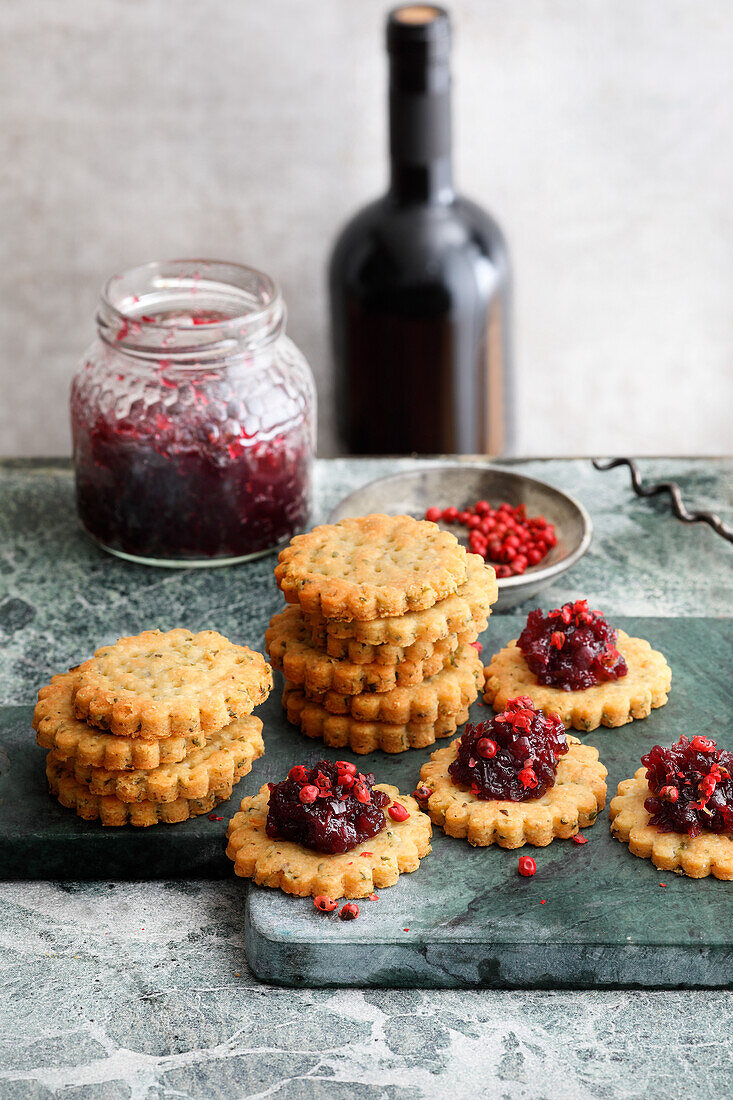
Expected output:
(193, 417)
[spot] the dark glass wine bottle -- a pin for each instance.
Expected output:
(419, 281)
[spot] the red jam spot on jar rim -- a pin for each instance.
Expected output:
(527, 743)
(322, 812)
(690, 787)
(571, 648)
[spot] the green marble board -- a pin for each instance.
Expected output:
(592, 916)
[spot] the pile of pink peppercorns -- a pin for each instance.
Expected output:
(505, 535)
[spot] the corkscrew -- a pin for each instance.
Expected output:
(673, 490)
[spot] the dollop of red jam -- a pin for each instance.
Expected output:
(691, 785)
(511, 757)
(571, 648)
(330, 807)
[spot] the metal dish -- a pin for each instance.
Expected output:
(412, 493)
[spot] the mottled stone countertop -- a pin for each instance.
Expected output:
(142, 990)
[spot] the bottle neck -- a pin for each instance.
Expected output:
(422, 183)
(420, 124)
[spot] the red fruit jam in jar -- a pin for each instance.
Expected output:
(193, 417)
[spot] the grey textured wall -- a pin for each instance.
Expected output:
(598, 131)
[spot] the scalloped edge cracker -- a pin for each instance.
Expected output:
(573, 803)
(282, 864)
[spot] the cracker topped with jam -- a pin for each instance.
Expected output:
(515, 779)
(329, 830)
(571, 662)
(678, 809)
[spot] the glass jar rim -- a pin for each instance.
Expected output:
(189, 310)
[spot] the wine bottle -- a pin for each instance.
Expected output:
(419, 280)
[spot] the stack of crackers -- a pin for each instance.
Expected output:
(155, 728)
(377, 646)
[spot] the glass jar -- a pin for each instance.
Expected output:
(193, 417)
